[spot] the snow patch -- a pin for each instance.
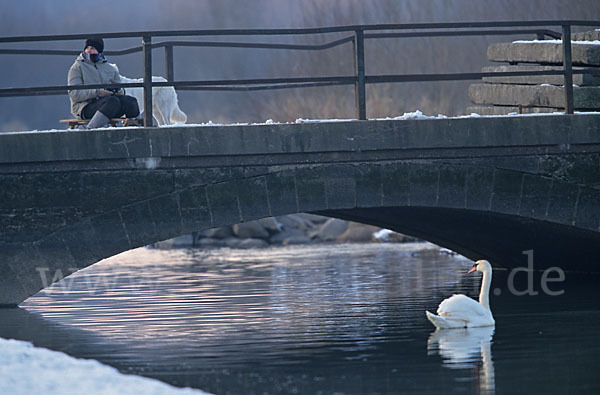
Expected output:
(302, 120)
(25, 369)
(411, 115)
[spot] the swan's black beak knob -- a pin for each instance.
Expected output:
(473, 268)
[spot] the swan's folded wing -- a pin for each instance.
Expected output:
(461, 307)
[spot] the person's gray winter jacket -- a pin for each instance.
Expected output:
(86, 72)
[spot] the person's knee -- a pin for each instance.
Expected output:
(131, 106)
(111, 107)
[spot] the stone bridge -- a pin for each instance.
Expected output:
(489, 187)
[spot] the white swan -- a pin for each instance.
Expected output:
(460, 311)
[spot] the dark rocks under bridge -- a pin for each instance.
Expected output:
(484, 187)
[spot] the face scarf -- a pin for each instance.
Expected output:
(94, 57)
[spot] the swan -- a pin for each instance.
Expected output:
(460, 311)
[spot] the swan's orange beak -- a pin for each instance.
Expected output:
(473, 268)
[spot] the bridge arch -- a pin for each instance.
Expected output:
(479, 211)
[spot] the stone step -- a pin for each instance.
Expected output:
(578, 79)
(587, 98)
(544, 52)
(505, 110)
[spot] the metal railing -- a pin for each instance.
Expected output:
(358, 35)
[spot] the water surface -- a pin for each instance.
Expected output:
(318, 319)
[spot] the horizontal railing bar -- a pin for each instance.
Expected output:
(263, 81)
(264, 87)
(259, 81)
(378, 79)
(546, 32)
(63, 89)
(34, 92)
(257, 45)
(301, 31)
(276, 82)
(220, 44)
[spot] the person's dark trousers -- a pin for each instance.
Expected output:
(113, 107)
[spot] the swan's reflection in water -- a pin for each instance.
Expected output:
(468, 348)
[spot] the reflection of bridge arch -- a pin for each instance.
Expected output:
(467, 195)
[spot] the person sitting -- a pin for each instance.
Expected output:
(98, 105)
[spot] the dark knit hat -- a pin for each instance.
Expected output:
(97, 43)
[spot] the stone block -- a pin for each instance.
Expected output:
(368, 186)
(282, 193)
(340, 192)
(270, 224)
(332, 229)
(452, 187)
(423, 185)
(394, 185)
(223, 232)
(166, 216)
(358, 233)
(111, 237)
(253, 199)
(140, 228)
(507, 191)
(56, 254)
(250, 230)
(562, 202)
(480, 185)
(297, 221)
(506, 110)
(535, 195)
(545, 52)
(12, 291)
(578, 79)
(31, 270)
(82, 241)
(311, 191)
(533, 95)
(592, 35)
(195, 212)
(588, 209)
(223, 203)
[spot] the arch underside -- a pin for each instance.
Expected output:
(499, 238)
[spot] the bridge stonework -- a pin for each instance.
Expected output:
(484, 187)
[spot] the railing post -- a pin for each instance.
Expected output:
(169, 63)
(147, 48)
(359, 69)
(568, 69)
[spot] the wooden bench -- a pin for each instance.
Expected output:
(73, 123)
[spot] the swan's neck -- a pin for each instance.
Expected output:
(484, 294)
